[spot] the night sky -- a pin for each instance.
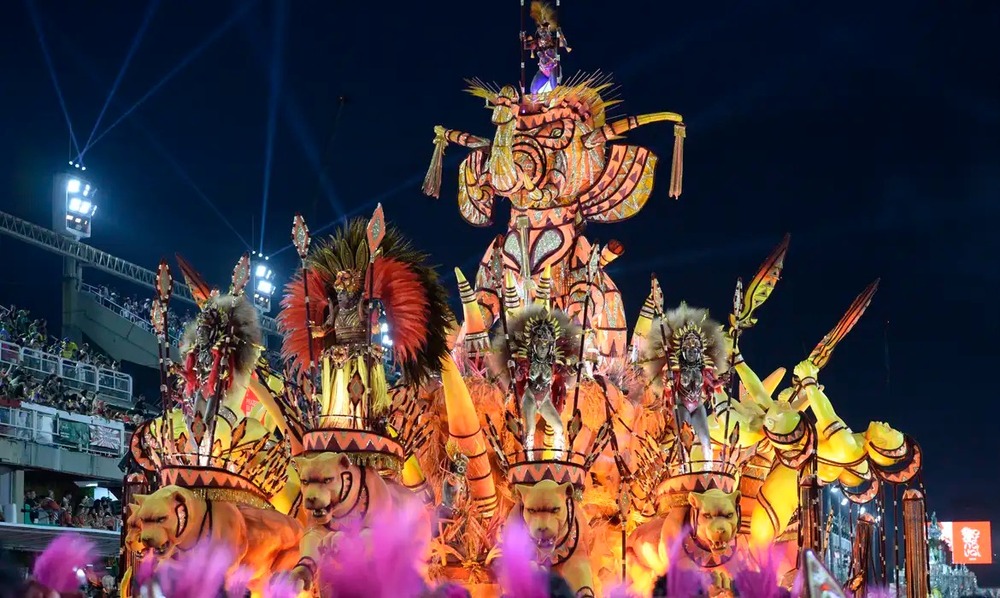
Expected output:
(869, 131)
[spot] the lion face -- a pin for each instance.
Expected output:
(326, 480)
(884, 436)
(546, 510)
(163, 518)
(781, 418)
(715, 517)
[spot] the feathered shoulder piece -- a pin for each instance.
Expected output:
(544, 14)
(415, 302)
(531, 324)
(667, 334)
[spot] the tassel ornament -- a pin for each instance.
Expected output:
(677, 168)
(432, 181)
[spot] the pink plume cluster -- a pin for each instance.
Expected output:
(379, 562)
(618, 591)
(880, 592)
(57, 567)
(681, 580)
(517, 573)
(197, 573)
(761, 581)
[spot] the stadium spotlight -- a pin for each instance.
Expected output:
(75, 200)
(263, 283)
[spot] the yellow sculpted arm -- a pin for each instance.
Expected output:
(752, 383)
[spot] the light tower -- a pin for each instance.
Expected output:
(263, 282)
(74, 204)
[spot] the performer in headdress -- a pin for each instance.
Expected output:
(344, 302)
(545, 44)
(539, 362)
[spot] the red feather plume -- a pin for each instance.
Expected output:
(292, 319)
(404, 297)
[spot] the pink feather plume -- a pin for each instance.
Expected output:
(681, 580)
(517, 573)
(56, 568)
(197, 573)
(880, 592)
(760, 581)
(281, 587)
(379, 562)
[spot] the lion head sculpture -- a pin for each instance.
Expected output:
(547, 509)
(168, 519)
(328, 481)
(715, 517)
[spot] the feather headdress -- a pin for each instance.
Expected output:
(524, 324)
(544, 15)
(414, 300)
(666, 334)
(229, 320)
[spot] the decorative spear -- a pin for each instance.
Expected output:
(657, 294)
(576, 423)
(497, 276)
(159, 318)
(301, 240)
(375, 234)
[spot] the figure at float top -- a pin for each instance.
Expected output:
(545, 44)
(551, 157)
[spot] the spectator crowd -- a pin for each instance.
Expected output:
(18, 327)
(71, 512)
(139, 311)
(18, 386)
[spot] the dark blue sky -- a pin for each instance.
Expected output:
(870, 131)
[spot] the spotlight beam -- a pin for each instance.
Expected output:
(89, 70)
(222, 29)
(37, 22)
(272, 108)
(139, 34)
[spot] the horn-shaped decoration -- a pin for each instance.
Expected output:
(201, 291)
(300, 236)
(820, 356)
(241, 276)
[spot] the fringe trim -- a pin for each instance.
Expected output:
(677, 168)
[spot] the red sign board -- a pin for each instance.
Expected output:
(969, 541)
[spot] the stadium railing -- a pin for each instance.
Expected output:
(75, 374)
(53, 427)
(139, 319)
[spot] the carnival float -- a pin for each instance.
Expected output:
(532, 406)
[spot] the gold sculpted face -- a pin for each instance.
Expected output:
(545, 508)
(163, 518)
(715, 517)
(326, 480)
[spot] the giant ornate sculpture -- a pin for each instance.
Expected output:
(551, 156)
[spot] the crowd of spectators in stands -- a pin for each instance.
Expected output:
(18, 327)
(139, 312)
(18, 386)
(71, 512)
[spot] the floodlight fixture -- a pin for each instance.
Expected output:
(263, 283)
(74, 199)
